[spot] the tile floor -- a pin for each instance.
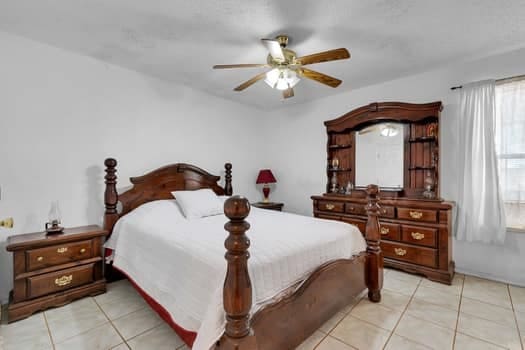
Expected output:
(472, 314)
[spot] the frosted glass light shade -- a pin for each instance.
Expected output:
(281, 79)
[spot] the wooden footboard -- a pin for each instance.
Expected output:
(285, 324)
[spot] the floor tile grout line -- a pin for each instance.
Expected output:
(401, 316)
(111, 323)
(83, 332)
(457, 318)
(515, 317)
(48, 330)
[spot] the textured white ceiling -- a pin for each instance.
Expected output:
(180, 40)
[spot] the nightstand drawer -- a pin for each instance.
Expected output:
(338, 207)
(418, 255)
(417, 214)
(58, 254)
(61, 280)
(419, 235)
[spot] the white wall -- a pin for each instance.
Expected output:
(62, 114)
(298, 141)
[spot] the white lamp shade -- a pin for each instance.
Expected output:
(281, 79)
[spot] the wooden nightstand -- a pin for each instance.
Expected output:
(269, 205)
(55, 269)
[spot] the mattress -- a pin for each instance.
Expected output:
(180, 263)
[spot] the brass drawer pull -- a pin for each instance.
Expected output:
(329, 206)
(40, 258)
(64, 280)
(385, 230)
(418, 235)
(62, 250)
(352, 208)
(416, 214)
(83, 250)
(400, 251)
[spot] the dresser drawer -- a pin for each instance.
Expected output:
(389, 231)
(361, 224)
(419, 235)
(417, 255)
(60, 280)
(387, 212)
(417, 214)
(58, 254)
(328, 217)
(357, 209)
(337, 207)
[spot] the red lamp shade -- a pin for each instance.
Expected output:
(265, 177)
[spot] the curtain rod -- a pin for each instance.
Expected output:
(502, 80)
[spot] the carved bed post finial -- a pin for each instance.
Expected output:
(110, 194)
(228, 189)
(237, 293)
(374, 260)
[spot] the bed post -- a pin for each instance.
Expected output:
(110, 194)
(228, 189)
(374, 259)
(237, 292)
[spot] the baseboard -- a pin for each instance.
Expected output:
(488, 276)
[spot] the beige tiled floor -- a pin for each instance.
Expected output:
(415, 313)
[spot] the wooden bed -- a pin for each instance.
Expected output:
(284, 324)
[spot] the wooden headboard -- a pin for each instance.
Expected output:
(155, 185)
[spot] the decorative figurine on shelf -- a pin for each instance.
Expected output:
(333, 182)
(342, 190)
(432, 129)
(53, 226)
(335, 163)
(349, 187)
(429, 186)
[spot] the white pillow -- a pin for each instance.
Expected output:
(198, 203)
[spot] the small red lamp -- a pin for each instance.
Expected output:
(266, 177)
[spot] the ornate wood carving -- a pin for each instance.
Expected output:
(110, 194)
(374, 266)
(228, 189)
(155, 185)
(237, 293)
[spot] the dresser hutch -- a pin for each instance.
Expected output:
(394, 145)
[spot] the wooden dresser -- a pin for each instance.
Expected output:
(396, 146)
(415, 234)
(52, 270)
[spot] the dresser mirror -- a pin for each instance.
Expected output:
(379, 155)
(391, 144)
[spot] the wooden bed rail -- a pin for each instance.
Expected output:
(237, 292)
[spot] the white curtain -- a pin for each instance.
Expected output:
(510, 148)
(481, 215)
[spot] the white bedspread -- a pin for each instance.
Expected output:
(180, 263)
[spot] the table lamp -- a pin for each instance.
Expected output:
(266, 177)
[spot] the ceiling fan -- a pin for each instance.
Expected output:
(287, 69)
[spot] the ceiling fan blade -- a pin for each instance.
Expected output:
(275, 48)
(331, 55)
(367, 130)
(320, 77)
(247, 65)
(288, 93)
(250, 82)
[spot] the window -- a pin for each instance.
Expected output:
(510, 149)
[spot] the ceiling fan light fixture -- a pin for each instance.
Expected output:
(281, 78)
(389, 130)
